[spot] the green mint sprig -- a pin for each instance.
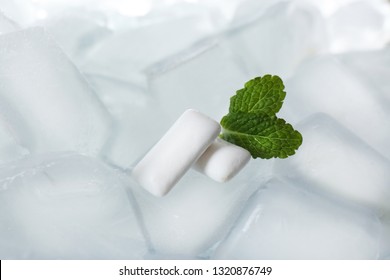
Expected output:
(252, 122)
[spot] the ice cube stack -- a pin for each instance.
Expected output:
(87, 91)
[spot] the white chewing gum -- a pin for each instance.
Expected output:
(175, 153)
(222, 160)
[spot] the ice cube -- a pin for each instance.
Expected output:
(20, 11)
(67, 206)
(385, 239)
(77, 32)
(357, 26)
(373, 66)
(329, 7)
(198, 212)
(49, 105)
(128, 52)
(204, 78)
(138, 121)
(278, 40)
(250, 10)
(335, 161)
(9, 147)
(6, 24)
(281, 221)
(325, 85)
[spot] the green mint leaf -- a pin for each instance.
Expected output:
(262, 135)
(252, 122)
(259, 95)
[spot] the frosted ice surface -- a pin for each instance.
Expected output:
(20, 11)
(9, 148)
(323, 84)
(357, 26)
(128, 52)
(334, 160)
(138, 120)
(198, 212)
(277, 41)
(6, 24)
(44, 98)
(385, 240)
(77, 32)
(67, 206)
(284, 222)
(329, 7)
(203, 78)
(249, 10)
(373, 66)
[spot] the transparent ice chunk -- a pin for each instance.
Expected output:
(67, 206)
(46, 101)
(198, 212)
(250, 10)
(385, 240)
(20, 11)
(138, 121)
(357, 26)
(335, 161)
(77, 32)
(325, 85)
(127, 53)
(6, 24)
(373, 66)
(329, 7)
(9, 147)
(203, 78)
(278, 40)
(284, 222)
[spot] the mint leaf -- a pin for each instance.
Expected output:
(252, 122)
(259, 95)
(262, 135)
